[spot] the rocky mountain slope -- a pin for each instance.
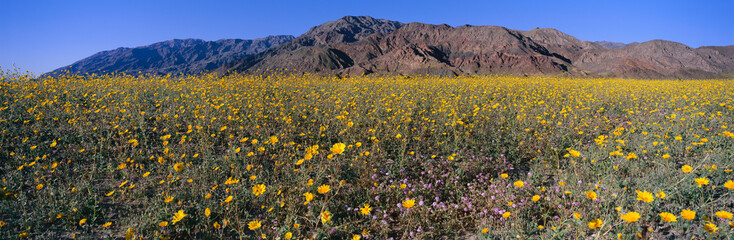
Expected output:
(355, 45)
(417, 48)
(657, 59)
(307, 53)
(186, 56)
(613, 45)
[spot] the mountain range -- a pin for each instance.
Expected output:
(360, 45)
(178, 56)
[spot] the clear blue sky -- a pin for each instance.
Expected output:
(44, 35)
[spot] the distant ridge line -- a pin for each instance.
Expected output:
(357, 45)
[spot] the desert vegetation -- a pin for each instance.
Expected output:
(299, 156)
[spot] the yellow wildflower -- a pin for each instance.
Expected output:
(631, 217)
(668, 217)
(408, 203)
(710, 228)
(729, 184)
(338, 148)
(701, 181)
(596, 223)
(252, 225)
(688, 214)
(645, 196)
(178, 216)
(574, 153)
(258, 189)
(231, 181)
(323, 189)
(365, 210)
(591, 195)
(724, 215)
(309, 197)
(325, 217)
(178, 166)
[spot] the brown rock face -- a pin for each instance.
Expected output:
(418, 48)
(657, 59)
(364, 45)
(348, 29)
(720, 56)
(464, 50)
(562, 44)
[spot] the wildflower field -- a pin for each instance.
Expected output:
(307, 157)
